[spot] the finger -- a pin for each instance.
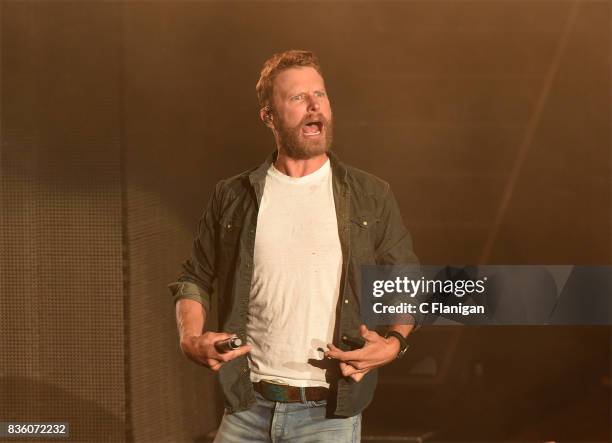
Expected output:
(358, 376)
(366, 333)
(205, 343)
(338, 354)
(333, 347)
(219, 355)
(216, 367)
(209, 362)
(360, 365)
(363, 330)
(227, 356)
(215, 336)
(347, 370)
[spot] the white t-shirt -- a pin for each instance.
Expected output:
(296, 278)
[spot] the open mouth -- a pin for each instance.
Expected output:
(312, 128)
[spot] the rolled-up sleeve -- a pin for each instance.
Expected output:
(199, 270)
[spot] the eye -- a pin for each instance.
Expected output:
(320, 93)
(298, 97)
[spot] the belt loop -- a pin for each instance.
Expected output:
(303, 394)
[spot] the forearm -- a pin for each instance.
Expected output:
(190, 318)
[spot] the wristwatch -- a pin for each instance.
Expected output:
(402, 340)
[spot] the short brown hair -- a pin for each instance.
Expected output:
(277, 63)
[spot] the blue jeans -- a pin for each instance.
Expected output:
(299, 422)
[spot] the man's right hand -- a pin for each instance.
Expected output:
(201, 349)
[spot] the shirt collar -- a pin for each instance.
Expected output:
(259, 174)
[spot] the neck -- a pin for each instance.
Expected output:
(298, 168)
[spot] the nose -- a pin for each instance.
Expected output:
(313, 103)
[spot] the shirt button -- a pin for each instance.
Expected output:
(365, 223)
(229, 226)
(344, 337)
(346, 300)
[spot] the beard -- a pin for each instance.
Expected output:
(299, 147)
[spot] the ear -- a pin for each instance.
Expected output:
(266, 116)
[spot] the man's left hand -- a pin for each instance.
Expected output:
(376, 352)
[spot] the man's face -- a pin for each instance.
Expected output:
(302, 116)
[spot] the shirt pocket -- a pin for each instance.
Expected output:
(363, 229)
(230, 229)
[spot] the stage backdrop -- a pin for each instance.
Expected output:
(489, 119)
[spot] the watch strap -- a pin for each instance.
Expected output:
(402, 340)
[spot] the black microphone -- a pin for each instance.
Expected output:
(227, 345)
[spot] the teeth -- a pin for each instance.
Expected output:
(312, 133)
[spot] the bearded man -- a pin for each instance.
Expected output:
(285, 242)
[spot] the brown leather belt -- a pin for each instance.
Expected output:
(288, 394)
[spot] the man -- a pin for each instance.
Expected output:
(285, 242)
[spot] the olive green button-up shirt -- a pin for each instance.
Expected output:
(370, 229)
